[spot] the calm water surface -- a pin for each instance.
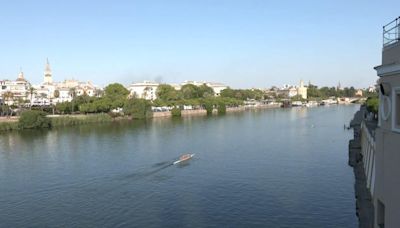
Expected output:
(270, 168)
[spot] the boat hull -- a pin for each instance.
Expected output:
(183, 160)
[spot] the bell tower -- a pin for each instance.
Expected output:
(48, 79)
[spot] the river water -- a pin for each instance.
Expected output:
(266, 168)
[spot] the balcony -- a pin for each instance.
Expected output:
(391, 33)
(391, 44)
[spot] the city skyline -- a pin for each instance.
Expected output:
(246, 44)
(49, 73)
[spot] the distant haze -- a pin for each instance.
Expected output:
(244, 43)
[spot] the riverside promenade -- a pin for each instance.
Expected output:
(364, 205)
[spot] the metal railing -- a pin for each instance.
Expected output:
(368, 149)
(391, 32)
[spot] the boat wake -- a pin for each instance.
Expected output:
(156, 168)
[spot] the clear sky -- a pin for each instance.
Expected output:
(242, 43)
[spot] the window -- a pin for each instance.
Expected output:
(396, 110)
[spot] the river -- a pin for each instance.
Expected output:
(265, 168)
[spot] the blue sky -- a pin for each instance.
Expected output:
(241, 43)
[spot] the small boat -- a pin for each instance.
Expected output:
(183, 158)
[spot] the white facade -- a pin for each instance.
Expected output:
(146, 90)
(50, 92)
(217, 87)
(302, 90)
(14, 91)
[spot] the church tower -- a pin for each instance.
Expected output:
(48, 79)
(21, 76)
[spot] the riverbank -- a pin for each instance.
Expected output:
(8, 124)
(203, 112)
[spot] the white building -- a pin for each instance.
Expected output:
(302, 90)
(14, 91)
(217, 87)
(50, 92)
(146, 90)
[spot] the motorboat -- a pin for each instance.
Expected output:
(183, 158)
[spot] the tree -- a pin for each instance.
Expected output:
(8, 98)
(205, 91)
(372, 104)
(56, 95)
(72, 93)
(33, 119)
(228, 92)
(221, 108)
(138, 108)
(190, 91)
(167, 93)
(146, 91)
(116, 91)
(31, 92)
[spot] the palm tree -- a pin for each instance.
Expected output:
(146, 91)
(56, 95)
(72, 93)
(42, 97)
(31, 92)
(7, 98)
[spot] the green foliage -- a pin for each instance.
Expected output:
(243, 94)
(79, 120)
(372, 104)
(116, 91)
(325, 92)
(138, 108)
(190, 91)
(33, 119)
(167, 93)
(8, 126)
(97, 105)
(297, 98)
(221, 108)
(205, 91)
(176, 112)
(209, 106)
(64, 107)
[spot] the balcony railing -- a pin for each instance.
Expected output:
(391, 32)
(368, 154)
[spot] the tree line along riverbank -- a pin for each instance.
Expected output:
(117, 103)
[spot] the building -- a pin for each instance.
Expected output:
(386, 190)
(50, 92)
(17, 91)
(359, 93)
(146, 90)
(217, 87)
(48, 77)
(302, 90)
